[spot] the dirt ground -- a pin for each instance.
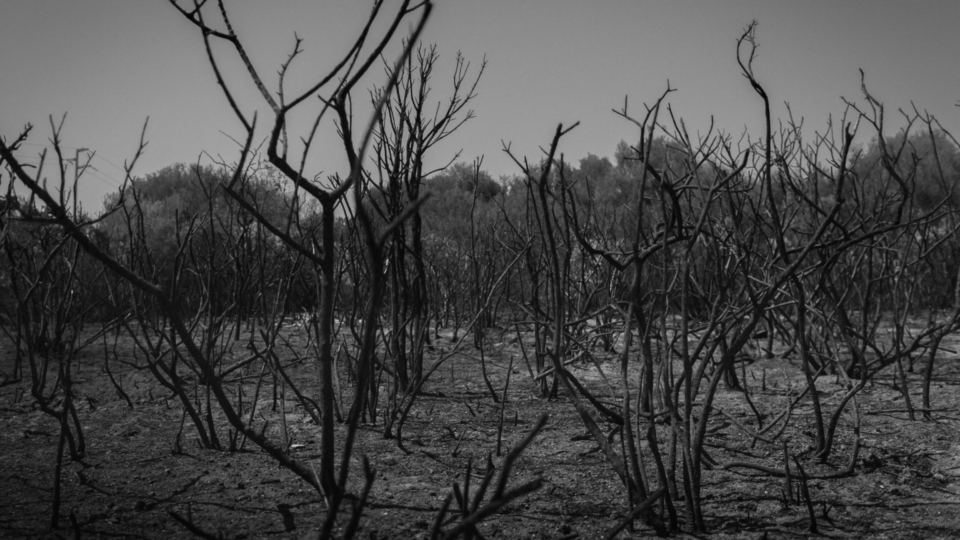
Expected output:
(906, 483)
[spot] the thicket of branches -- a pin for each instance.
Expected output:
(682, 257)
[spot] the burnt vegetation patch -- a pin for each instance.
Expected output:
(702, 336)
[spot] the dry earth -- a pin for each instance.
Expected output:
(906, 483)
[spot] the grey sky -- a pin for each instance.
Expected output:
(111, 63)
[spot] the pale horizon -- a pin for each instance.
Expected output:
(110, 64)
